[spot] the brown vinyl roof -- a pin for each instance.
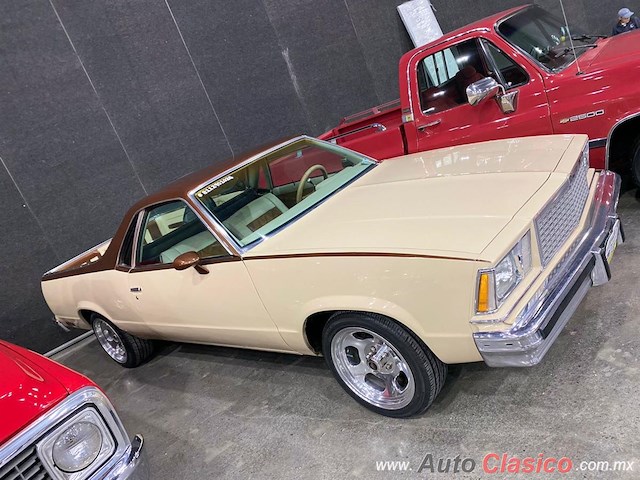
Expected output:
(180, 187)
(176, 189)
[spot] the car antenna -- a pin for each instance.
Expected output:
(573, 49)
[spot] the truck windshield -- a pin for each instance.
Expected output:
(543, 37)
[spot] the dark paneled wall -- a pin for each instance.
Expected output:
(102, 101)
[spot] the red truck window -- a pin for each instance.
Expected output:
(509, 73)
(444, 76)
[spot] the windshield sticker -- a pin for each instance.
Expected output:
(212, 186)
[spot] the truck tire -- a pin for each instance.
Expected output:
(381, 364)
(123, 348)
(635, 165)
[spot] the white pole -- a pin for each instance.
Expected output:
(573, 49)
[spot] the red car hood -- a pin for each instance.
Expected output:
(613, 52)
(26, 390)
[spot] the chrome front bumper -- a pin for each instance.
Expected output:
(132, 465)
(542, 319)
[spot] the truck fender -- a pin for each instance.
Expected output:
(619, 123)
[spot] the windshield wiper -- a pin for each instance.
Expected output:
(586, 37)
(589, 45)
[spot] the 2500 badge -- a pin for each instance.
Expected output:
(583, 116)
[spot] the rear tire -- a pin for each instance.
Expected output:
(381, 364)
(122, 347)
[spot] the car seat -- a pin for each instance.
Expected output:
(464, 78)
(436, 100)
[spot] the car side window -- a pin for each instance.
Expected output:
(171, 229)
(510, 73)
(443, 77)
(126, 251)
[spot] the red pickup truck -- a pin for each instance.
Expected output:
(57, 424)
(512, 74)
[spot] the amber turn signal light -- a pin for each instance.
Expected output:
(483, 293)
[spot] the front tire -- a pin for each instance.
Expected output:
(381, 364)
(123, 348)
(635, 165)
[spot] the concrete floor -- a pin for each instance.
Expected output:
(209, 412)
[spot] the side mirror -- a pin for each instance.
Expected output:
(187, 260)
(508, 102)
(482, 89)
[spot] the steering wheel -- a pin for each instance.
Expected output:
(305, 179)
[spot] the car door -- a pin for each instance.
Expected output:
(444, 116)
(215, 304)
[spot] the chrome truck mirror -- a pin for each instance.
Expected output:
(489, 88)
(482, 89)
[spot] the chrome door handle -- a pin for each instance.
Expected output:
(135, 289)
(428, 125)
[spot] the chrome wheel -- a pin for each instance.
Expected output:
(110, 340)
(372, 368)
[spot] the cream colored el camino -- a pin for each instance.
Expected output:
(390, 270)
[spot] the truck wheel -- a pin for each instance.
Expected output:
(381, 365)
(124, 348)
(635, 165)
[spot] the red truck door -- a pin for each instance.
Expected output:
(442, 115)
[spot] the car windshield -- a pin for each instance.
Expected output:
(254, 201)
(543, 37)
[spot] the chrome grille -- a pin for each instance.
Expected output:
(560, 217)
(24, 466)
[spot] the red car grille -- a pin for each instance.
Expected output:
(24, 466)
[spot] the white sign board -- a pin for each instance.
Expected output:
(420, 21)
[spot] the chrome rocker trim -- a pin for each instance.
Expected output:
(540, 322)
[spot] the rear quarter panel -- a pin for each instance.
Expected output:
(378, 136)
(103, 292)
(377, 144)
(432, 297)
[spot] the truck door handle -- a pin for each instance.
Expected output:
(422, 128)
(135, 289)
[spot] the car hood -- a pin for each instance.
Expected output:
(612, 52)
(26, 391)
(451, 202)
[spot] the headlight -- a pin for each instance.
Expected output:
(506, 276)
(495, 284)
(77, 447)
